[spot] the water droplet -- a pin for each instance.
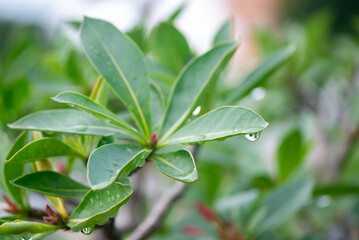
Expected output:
(323, 201)
(92, 201)
(108, 199)
(71, 105)
(26, 236)
(113, 198)
(252, 136)
(114, 162)
(129, 150)
(101, 204)
(118, 195)
(258, 93)
(87, 231)
(196, 111)
(108, 192)
(109, 170)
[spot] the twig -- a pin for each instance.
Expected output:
(154, 218)
(158, 212)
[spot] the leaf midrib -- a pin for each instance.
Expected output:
(134, 98)
(168, 163)
(186, 113)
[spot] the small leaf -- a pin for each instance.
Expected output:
(66, 121)
(170, 47)
(117, 58)
(224, 33)
(191, 83)
(260, 74)
(52, 184)
(220, 123)
(280, 204)
(290, 154)
(85, 103)
(178, 165)
(113, 161)
(98, 206)
(157, 105)
(19, 227)
(11, 172)
(337, 189)
(4, 149)
(41, 149)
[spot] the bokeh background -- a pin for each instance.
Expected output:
(311, 103)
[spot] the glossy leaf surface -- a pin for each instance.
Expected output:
(220, 123)
(191, 83)
(178, 165)
(113, 161)
(97, 206)
(20, 227)
(117, 58)
(52, 184)
(85, 103)
(41, 149)
(66, 121)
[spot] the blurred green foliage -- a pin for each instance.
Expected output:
(299, 181)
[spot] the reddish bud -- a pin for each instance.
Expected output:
(50, 211)
(207, 213)
(152, 141)
(192, 231)
(11, 206)
(54, 218)
(61, 167)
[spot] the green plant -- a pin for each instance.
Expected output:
(111, 146)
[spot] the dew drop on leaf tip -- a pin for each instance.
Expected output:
(26, 237)
(253, 136)
(87, 230)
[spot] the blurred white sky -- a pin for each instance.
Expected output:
(199, 21)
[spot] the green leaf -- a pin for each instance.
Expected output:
(98, 206)
(290, 154)
(52, 184)
(337, 189)
(42, 149)
(85, 103)
(157, 105)
(4, 149)
(220, 123)
(66, 121)
(169, 46)
(113, 161)
(224, 33)
(191, 83)
(279, 205)
(19, 227)
(117, 58)
(99, 92)
(178, 165)
(176, 13)
(260, 74)
(10, 171)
